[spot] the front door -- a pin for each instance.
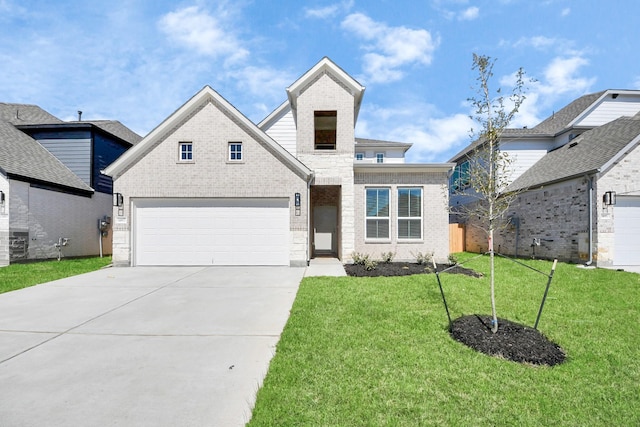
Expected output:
(325, 220)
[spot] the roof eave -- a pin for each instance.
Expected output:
(403, 167)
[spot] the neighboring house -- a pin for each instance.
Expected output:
(578, 175)
(209, 187)
(51, 188)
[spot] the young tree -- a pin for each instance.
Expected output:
(489, 168)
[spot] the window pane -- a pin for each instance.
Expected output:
(409, 229)
(409, 202)
(377, 228)
(378, 202)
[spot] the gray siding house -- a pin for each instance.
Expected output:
(578, 178)
(209, 187)
(52, 194)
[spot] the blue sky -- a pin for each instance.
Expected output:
(138, 61)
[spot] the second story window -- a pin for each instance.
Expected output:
(235, 152)
(186, 152)
(325, 125)
(359, 156)
(379, 157)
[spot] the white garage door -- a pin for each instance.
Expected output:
(627, 229)
(211, 232)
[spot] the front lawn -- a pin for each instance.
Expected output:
(18, 276)
(376, 351)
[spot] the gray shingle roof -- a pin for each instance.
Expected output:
(22, 156)
(25, 114)
(585, 154)
(379, 143)
(551, 126)
(115, 128)
(559, 120)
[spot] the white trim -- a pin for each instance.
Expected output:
(367, 217)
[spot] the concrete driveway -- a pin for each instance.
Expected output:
(144, 346)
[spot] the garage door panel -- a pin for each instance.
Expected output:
(627, 230)
(212, 232)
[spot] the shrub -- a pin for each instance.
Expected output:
(369, 264)
(364, 260)
(387, 257)
(423, 259)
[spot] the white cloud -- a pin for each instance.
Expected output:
(469, 14)
(328, 11)
(389, 49)
(565, 12)
(206, 34)
(432, 135)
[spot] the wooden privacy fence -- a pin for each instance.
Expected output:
(456, 238)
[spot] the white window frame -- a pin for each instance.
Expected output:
(185, 156)
(379, 157)
(232, 153)
(409, 218)
(377, 218)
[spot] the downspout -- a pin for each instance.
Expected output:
(309, 219)
(590, 261)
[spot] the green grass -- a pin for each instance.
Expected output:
(375, 351)
(18, 276)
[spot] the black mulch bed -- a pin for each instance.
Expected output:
(402, 269)
(513, 341)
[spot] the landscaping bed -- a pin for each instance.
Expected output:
(512, 341)
(390, 269)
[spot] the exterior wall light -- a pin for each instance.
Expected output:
(609, 198)
(118, 200)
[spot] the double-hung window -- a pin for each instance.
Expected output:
(379, 157)
(186, 152)
(377, 220)
(409, 213)
(235, 152)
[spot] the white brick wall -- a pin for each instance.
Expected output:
(331, 167)
(435, 218)
(159, 174)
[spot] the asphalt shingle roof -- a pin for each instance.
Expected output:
(23, 156)
(377, 142)
(585, 154)
(559, 120)
(25, 114)
(551, 126)
(115, 128)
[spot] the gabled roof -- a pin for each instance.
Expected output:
(562, 119)
(206, 94)
(23, 158)
(329, 67)
(559, 121)
(25, 114)
(275, 115)
(591, 152)
(378, 144)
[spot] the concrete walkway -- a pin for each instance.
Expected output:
(325, 267)
(154, 346)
